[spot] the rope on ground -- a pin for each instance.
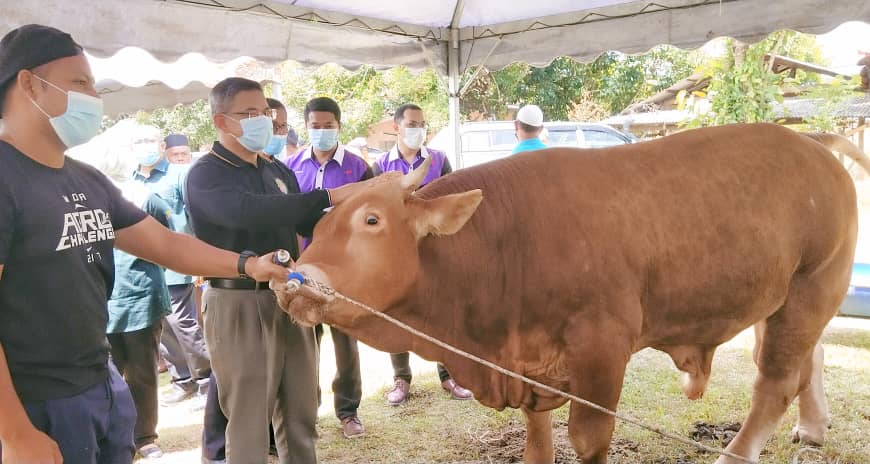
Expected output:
(326, 290)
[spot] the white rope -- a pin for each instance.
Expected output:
(326, 290)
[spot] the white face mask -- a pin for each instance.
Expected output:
(413, 137)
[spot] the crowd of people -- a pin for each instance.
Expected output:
(153, 258)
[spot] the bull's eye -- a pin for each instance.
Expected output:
(371, 219)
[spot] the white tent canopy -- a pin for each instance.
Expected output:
(447, 35)
(417, 33)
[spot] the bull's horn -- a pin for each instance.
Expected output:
(413, 179)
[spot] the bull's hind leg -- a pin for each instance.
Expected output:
(785, 354)
(539, 438)
(813, 419)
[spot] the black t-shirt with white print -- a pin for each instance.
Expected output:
(57, 229)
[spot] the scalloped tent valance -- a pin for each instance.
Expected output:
(417, 34)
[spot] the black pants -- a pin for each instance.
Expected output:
(402, 368)
(93, 427)
(135, 355)
(182, 337)
(347, 384)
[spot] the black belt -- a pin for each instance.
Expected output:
(237, 284)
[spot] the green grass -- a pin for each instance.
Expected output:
(433, 428)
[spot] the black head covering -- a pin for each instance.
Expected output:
(176, 140)
(30, 46)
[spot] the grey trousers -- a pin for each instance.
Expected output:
(135, 355)
(183, 339)
(266, 370)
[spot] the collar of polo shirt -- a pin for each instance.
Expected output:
(394, 153)
(338, 156)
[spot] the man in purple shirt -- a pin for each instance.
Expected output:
(409, 124)
(326, 165)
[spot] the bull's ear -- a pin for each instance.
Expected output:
(445, 215)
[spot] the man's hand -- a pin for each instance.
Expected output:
(30, 446)
(346, 191)
(263, 269)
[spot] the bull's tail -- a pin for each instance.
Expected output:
(842, 145)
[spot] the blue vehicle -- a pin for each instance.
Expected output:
(857, 302)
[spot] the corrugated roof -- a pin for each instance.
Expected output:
(856, 107)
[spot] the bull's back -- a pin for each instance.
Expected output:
(705, 227)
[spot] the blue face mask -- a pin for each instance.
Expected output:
(276, 145)
(146, 155)
(80, 122)
(256, 133)
(323, 139)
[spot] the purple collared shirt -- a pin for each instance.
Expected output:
(344, 168)
(392, 161)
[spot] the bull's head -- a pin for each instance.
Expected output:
(367, 247)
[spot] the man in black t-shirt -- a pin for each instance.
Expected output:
(60, 399)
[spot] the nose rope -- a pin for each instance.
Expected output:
(296, 280)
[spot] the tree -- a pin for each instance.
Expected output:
(366, 96)
(614, 80)
(193, 120)
(742, 88)
(828, 99)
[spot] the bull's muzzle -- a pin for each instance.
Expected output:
(303, 303)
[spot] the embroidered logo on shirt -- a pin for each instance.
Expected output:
(281, 185)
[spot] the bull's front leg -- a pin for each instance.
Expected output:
(539, 438)
(597, 369)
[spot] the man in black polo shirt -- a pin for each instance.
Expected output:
(239, 199)
(60, 398)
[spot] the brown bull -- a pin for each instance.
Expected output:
(579, 258)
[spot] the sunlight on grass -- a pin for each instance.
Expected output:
(431, 427)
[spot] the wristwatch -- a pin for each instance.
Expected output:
(243, 258)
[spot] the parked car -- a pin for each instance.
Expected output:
(857, 302)
(488, 141)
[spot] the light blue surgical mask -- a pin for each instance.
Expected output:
(276, 145)
(323, 139)
(146, 155)
(80, 122)
(256, 133)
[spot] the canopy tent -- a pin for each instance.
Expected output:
(421, 33)
(447, 35)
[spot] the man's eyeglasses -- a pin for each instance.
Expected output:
(270, 113)
(280, 129)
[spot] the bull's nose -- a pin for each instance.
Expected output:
(303, 308)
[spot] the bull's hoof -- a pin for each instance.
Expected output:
(806, 436)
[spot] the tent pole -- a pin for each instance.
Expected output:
(453, 92)
(453, 81)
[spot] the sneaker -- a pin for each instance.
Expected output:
(181, 391)
(351, 427)
(456, 391)
(399, 393)
(150, 451)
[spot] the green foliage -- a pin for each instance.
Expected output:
(828, 99)
(193, 120)
(615, 80)
(742, 89)
(366, 96)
